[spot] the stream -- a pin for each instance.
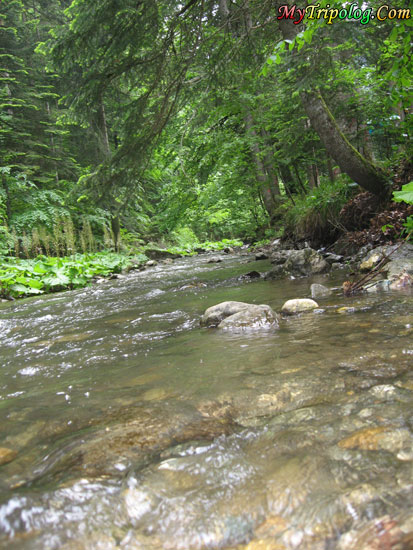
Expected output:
(124, 425)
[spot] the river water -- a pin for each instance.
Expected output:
(125, 425)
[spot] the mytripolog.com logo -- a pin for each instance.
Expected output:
(349, 13)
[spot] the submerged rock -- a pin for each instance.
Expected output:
(252, 318)
(346, 309)
(298, 305)
(6, 455)
(385, 438)
(319, 290)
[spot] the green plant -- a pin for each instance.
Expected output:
(406, 195)
(316, 216)
(43, 274)
(184, 237)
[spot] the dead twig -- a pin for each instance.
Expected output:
(350, 288)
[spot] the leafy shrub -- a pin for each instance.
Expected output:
(184, 237)
(6, 241)
(43, 274)
(406, 195)
(315, 217)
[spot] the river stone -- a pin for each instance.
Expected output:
(151, 263)
(319, 290)
(371, 262)
(214, 260)
(401, 276)
(364, 440)
(346, 309)
(383, 285)
(333, 258)
(280, 257)
(299, 263)
(6, 455)
(400, 256)
(298, 305)
(252, 318)
(215, 314)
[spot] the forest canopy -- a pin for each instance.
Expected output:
(124, 122)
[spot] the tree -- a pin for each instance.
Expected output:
(362, 170)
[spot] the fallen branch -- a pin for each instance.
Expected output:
(350, 288)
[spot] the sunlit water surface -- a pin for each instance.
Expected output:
(131, 427)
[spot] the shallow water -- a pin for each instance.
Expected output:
(126, 425)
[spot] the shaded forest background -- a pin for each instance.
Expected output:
(126, 122)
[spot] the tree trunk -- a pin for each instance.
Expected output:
(337, 145)
(351, 162)
(262, 177)
(8, 198)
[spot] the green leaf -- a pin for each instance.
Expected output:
(405, 195)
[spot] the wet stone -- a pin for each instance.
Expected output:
(155, 394)
(298, 305)
(372, 439)
(7, 455)
(214, 260)
(260, 317)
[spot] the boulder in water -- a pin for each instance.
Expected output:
(251, 318)
(215, 314)
(298, 305)
(237, 315)
(299, 263)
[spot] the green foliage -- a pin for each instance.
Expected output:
(45, 274)
(315, 217)
(6, 241)
(184, 238)
(405, 195)
(111, 111)
(189, 249)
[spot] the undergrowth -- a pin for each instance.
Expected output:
(44, 274)
(315, 217)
